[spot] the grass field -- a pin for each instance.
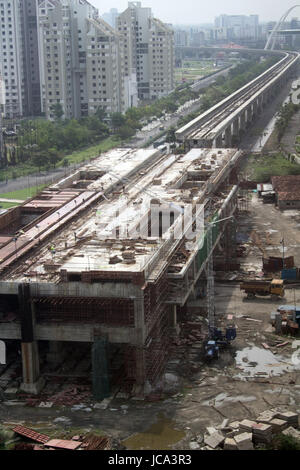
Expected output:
(24, 169)
(261, 168)
(192, 70)
(22, 194)
(7, 205)
(104, 146)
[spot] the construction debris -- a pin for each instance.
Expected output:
(30, 434)
(278, 425)
(262, 433)
(63, 444)
(214, 440)
(244, 441)
(230, 444)
(292, 432)
(290, 417)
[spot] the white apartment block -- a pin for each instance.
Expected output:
(2, 103)
(80, 59)
(148, 51)
(104, 67)
(11, 64)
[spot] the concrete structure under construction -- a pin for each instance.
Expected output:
(108, 257)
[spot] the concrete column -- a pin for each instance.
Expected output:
(139, 321)
(243, 118)
(259, 105)
(254, 107)
(249, 114)
(228, 137)
(218, 142)
(235, 128)
(173, 316)
(101, 386)
(32, 382)
(140, 369)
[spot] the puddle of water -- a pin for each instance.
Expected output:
(278, 390)
(290, 213)
(160, 436)
(256, 361)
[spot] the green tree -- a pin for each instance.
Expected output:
(126, 131)
(117, 120)
(101, 113)
(53, 157)
(40, 159)
(170, 137)
(58, 111)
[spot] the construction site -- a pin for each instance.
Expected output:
(103, 259)
(158, 292)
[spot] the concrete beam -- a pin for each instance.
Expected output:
(75, 289)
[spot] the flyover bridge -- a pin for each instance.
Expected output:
(217, 126)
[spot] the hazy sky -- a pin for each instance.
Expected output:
(204, 11)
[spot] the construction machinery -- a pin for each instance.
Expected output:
(274, 288)
(216, 337)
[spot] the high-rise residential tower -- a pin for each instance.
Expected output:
(11, 57)
(148, 51)
(80, 59)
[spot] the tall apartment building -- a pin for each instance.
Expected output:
(181, 38)
(239, 26)
(148, 51)
(11, 63)
(30, 58)
(104, 68)
(80, 59)
(2, 103)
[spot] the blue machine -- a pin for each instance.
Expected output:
(217, 340)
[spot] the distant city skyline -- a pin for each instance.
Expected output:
(190, 12)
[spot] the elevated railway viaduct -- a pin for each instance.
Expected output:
(217, 126)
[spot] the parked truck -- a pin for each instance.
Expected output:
(273, 288)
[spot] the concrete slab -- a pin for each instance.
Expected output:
(215, 440)
(230, 444)
(244, 441)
